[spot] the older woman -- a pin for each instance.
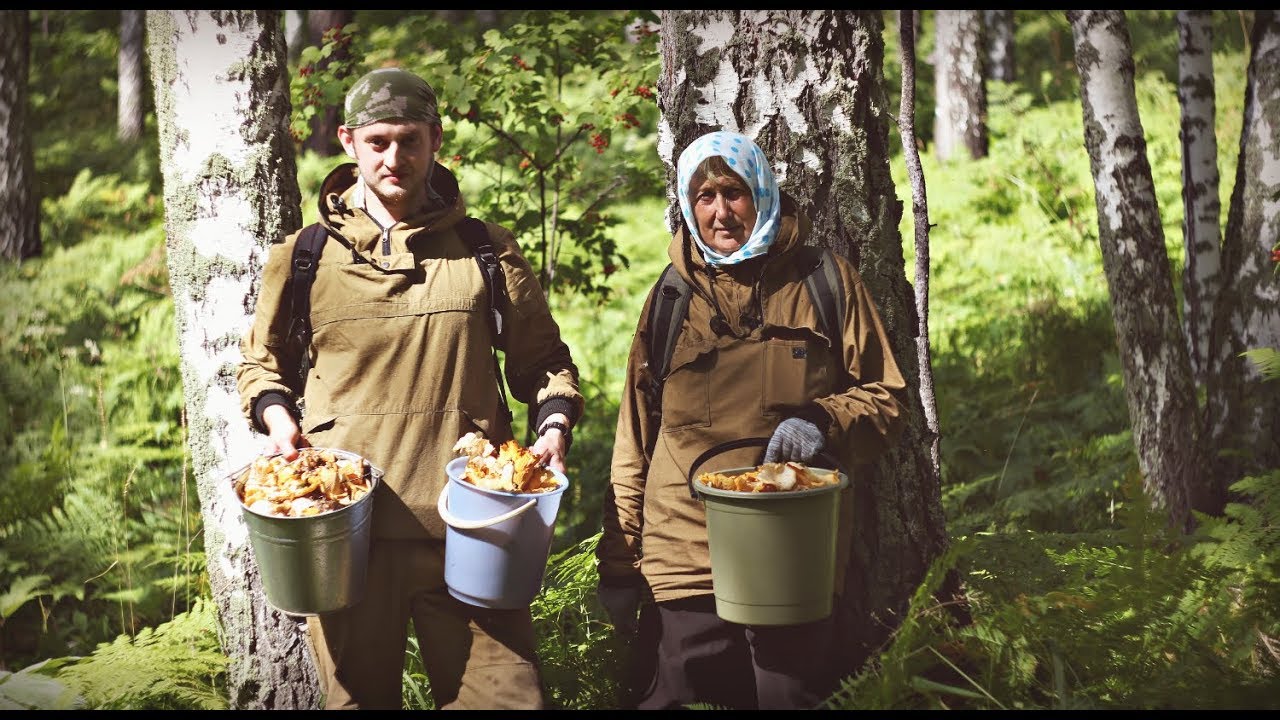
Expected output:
(751, 359)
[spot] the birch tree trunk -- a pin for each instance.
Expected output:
(130, 112)
(19, 203)
(230, 187)
(808, 86)
(998, 26)
(960, 114)
(1245, 410)
(295, 33)
(1157, 370)
(1201, 209)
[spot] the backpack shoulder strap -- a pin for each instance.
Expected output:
(302, 273)
(667, 311)
(823, 283)
(666, 317)
(476, 236)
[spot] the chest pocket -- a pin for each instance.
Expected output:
(686, 398)
(358, 291)
(795, 372)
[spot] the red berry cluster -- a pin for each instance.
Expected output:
(628, 120)
(334, 34)
(610, 268)
(524, 164)
(644, 91)
(1275, 255)
(520, 63)
(599, 142)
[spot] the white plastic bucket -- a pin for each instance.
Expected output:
(497, 543)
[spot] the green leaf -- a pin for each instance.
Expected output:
(926, 685)
(25, 588)
(28, 690)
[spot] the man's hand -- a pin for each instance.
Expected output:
(283, 434)
(552, 443)
(622, 604)
(794, 440)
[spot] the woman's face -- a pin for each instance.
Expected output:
(726, 213)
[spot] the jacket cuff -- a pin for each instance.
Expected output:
(814, 413)
(553, 405)
(266, 400)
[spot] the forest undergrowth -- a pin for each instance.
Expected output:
(1080, 596)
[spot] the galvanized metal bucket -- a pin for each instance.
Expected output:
(773, 554)
(318, 563)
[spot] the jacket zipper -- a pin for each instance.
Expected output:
(386, 241)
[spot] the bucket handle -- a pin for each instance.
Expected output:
(734, 445)
(442, 505)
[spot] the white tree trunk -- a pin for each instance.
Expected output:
(1201, 208)
(230, 189)
(295, 33)
(998, 25)
(1247, 419)
(130, 114)
(960, 112)
(1157, 370)
(808, 86)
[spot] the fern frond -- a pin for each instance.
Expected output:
(178, 665)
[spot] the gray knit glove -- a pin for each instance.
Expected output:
(795, 440)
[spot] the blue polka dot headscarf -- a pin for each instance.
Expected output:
(748, 161)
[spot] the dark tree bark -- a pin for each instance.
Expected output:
(230, 189)
(1244, 408)
(808, 86)
(324, 126)
(998, 26)
(960, 122)
(1201, 209)
(130, 107)
(1157, 370)
(20, 209)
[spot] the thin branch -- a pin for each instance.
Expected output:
(920, 213)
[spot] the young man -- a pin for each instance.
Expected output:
(402, 367)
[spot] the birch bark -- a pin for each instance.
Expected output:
(1157, 370)
(230, 188)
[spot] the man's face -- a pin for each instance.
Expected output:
(395, 158)
(726, 213)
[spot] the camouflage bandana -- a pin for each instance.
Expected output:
(390, 93)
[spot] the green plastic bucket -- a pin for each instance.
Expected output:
(318, 563)
(773, 554)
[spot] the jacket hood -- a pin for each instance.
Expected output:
(346, 222)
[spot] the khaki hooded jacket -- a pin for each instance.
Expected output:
(401, 348)
(722, 388)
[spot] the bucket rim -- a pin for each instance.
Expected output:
(561, 478)
(704, 490)
(375, 479)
